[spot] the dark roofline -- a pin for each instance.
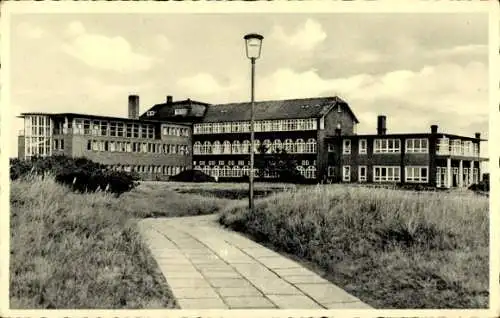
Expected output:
(406, 135)
(101, 117)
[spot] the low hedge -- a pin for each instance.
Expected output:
(80, 174)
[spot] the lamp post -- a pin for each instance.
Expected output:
(253, 43)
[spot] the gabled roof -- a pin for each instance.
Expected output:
(276, 109)
(188, 101)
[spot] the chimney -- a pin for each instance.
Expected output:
(478, 135)
(133, 106)
(169, 99)
(381, 129)
(434, 129)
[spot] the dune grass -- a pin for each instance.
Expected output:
(392, 249)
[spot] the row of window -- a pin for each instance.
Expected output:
(260, 125)
(37, 146)
(165, 170)
(413, 174)
(138, 147)
(415, 145)
(239, 171)
(37, 126)
(237, 147)
(239, 163)
(469, 176)
(445, 146)
(119, 129)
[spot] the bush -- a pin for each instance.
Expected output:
(192, 176)
(481, 186)
(80, 174)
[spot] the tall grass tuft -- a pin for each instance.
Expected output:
(393, 249)
(78, 251)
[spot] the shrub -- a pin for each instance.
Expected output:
(80, 174)
(192, 176)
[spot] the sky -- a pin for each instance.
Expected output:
(418, 69)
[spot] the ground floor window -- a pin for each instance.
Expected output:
(386, 174)
(331, 171)
(362, 173)
(346, 173)
(417, 174)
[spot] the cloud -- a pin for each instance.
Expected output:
(447, 88)
(203, 84)
(162, 42)
(107, 53)
(30, 31)
(305, 38)
(469, 50)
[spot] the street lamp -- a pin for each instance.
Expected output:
(253, 43)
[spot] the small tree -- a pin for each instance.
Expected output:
(279, 162)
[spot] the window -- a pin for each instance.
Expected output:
(362, 172)
(216, 147)
(241, 162)
(221, 162)
(387, 146)
(339, 108)
(216, 128)
(346, 173)
(311, 146)
(226, 147)
(150, 113)
(246, 146)
(245, 171)
(289, 146)
(267, 145)
(215, 171)
(305, 162)
(207, 148)
(331, 171)
(236, 147)
(417, 145)
(256, 144)
(385, 174)
(276, 145)
(346, 149)
(197, 129)
(299, 145)
(310, 172)
(197, 148)
(202, 163)
(417, 174)
(331, 148)
(362, 146)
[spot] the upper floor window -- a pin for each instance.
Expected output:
(150, 113)
(346, 149)
(311, 146)
(226, 147)
(363, 146)
(331, 147)
(387, 146)
(419, 145)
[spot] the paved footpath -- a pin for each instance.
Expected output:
(209, 267)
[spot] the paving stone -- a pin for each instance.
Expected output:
(274, 286)
(201, 303)
(326, 293)
(228, 282)
(248, 302)
(238, 291)
(305, 279)
(254, 270)
(294, 302)
(193, 282)
(276, 262)
(297, 271)
(194, 292)
(257, 252)
(221, 274)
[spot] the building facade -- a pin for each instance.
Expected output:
(433, 159)
(153, 149)
(320, 133)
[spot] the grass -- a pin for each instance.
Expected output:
(392, 249)
(83, 250)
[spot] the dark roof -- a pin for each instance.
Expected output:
(275, 109)
(188, 101)
(416, 135)
(88, 116)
